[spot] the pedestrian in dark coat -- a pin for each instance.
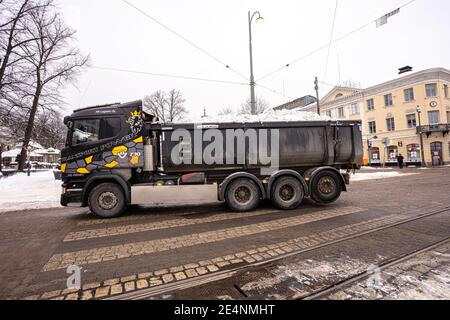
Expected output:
(400, 160)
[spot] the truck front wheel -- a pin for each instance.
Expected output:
(287, 193)
(242, 195)
(107, 200)
(326, 187)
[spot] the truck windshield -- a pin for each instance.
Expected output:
(85, 131)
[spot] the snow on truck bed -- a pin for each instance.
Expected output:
(268, 116)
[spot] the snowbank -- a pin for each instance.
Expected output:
(20, 192)
(268, 116)
(378, 175)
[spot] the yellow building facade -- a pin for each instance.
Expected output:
(390, 115)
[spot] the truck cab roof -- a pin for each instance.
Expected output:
(104, 110)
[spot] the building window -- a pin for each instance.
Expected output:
(372, 127)
(341, 112)
(409, 94)
(370, 105)
(392, 152)
(411, 121)
(328, 112)
(375, 155)
(413, 153)
(339, 95)
(355, 108)
(431, 90)
(390, 122)
(388, 101)
(433, 117)
(446, 90)
(448, 116)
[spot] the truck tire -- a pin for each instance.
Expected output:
(242, 195)
(287, 193)
(326, 187)
(107, 200)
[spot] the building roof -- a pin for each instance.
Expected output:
(424, 75)
(13, 154)
(48, 151)
(297, 103)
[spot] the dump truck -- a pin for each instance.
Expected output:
(118, 155)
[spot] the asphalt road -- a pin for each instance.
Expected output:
(156, 247)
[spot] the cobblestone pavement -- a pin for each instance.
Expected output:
(150, 247)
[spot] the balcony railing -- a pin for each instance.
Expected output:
(444, 128)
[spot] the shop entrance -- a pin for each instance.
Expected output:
(436, 154)
(375, 156)
(392, 153)
(413, 154)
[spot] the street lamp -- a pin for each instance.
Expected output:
(252, 77)
(419, 111)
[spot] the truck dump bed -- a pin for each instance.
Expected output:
(294, 145)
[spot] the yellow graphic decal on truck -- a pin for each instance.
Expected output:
(119, 150)
(63, 167)
(134, 160)
(139, 140)
(89, 159)
(112, 164)
(83, 171)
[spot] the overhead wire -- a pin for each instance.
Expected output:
(169, 75)
(326, 45)
(183, 38)
(331, 39)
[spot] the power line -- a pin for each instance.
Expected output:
(274, 91)
(183, 38)
(170, 75)
(326, 45)
(327, 84)
(331, 39)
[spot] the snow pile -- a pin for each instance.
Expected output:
(379, 175)
(268, 116)
(20, 192)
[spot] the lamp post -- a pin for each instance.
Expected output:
(316, 87)
(252, 77)
(419, 111)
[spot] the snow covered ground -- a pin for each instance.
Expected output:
(20, 192)
(359, 176)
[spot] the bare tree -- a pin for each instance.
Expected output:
(15, 15)
(175, 103)
(226, 111)
(50, 130)
(261, 106)
(168, 107)
(53, 60)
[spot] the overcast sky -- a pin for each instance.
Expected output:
(118, 36)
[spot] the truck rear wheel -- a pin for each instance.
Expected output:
(326, 187)
(287, 193)
(107, 200)
(242, 195)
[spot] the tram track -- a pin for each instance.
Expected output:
(222, 275)
(324, 292)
